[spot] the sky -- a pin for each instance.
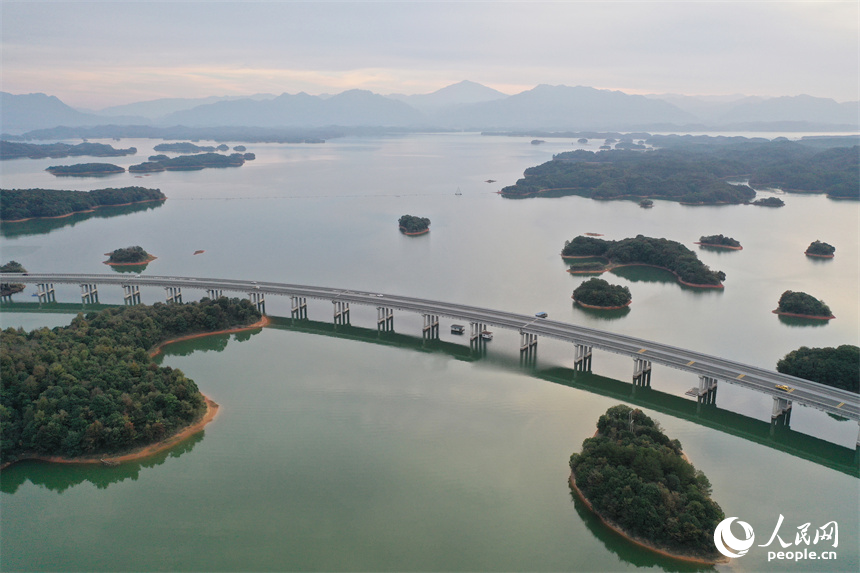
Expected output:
(97, 54)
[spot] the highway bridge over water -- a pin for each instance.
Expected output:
(785, 390)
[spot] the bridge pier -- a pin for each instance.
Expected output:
(527, 340)
(173, 294)
(341, 312)
(258, 299)
(214, 293)
(384, 319)
(641, 372)
(582, 358)
(89, 294)
(706, 392)
(430, 331)
(45, 291)
(131, 294)
(298, 307)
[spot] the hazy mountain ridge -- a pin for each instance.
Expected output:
(464, 105)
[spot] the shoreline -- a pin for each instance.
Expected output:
(209, 414)
(719, 246)
(85, 211)
(796, 315)
(640, 542)
(263, 322)
(595, 307)
(414, 233)
(611, 267)
(818, 256)
(148, 260)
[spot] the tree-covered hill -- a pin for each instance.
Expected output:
(635, 477)
(18, 204)
(190, 162)
(838, 367)
(413, 224)
(15, 149)
(91, 387)
(795, 302)
(598, 292)
(85, 169)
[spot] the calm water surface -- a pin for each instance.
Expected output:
(338, 454)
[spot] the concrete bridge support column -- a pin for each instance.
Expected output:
(475, 330)
(384, 319)
(707, 390)
(781, 406)
(298, 307)
(131, 294)
(214, 293)
(582, 358)
(258, 299)
(641, 372)
(45, 291)
(173, 294)
(527, 341)
(89, 294)
(430, 331)
(341, 312)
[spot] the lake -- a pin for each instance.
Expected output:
(335, 451)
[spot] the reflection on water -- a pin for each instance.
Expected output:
(128, 268)
(44, 226)
(60, 477)
(614, 314)
(795, 321)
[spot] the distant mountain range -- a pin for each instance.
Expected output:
(465, 105)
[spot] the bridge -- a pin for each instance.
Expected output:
(784, 389)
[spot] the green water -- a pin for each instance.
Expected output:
(334, 453)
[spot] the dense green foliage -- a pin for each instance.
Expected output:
(769, 202)
(719, 240)
(146, 167)
(412, 224)
(92, 388)
(598, 292)
(820, 249)
(128, 255)
(696, 172)
(837, 367)
(14, 149)
(648, 251)
(28, 203)
(191, 162)
(802, 303)
(636, 477)
(188, 147)
(85, 169)
(11, 288)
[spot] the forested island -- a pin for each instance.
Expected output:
(411, 225)
(769, 202)
(188, 147)
(189, 162)
(642, 250)
(15, 150)
(22, 204)
(837, 367)
(85, 169)
(7, 289)
(129, 256)
(819, 249)
(599, 294)
(695, 173)
(719, 241)
(639, 483)
(802, 305)
(92, 388)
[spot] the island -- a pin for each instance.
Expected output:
(410, 225)
(85, 169)
(146, 167)
(8, 289)
(190, 162)
(802, 305)
(18, 205)
(836, 367)
(15, 150)
(719, 241)
(646, 203)
(582, 140)
(186, 147)
(769, 202)
(92, 388)
(598, 294)
(821, 250)
(641, 250)
(641, 485)
(129, 256)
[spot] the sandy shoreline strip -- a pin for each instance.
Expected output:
(85, 211)
(414, 233)
(148, 260)
(796, 315)
(716, 246)
(264, 321)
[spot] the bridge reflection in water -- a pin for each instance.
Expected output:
(778, 436)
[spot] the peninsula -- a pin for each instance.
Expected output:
(14, 150)
(640, 484)
(411, 225)
(18, 205)
(641, 250)
(598, 294)
(91, 390)
(802, 305)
